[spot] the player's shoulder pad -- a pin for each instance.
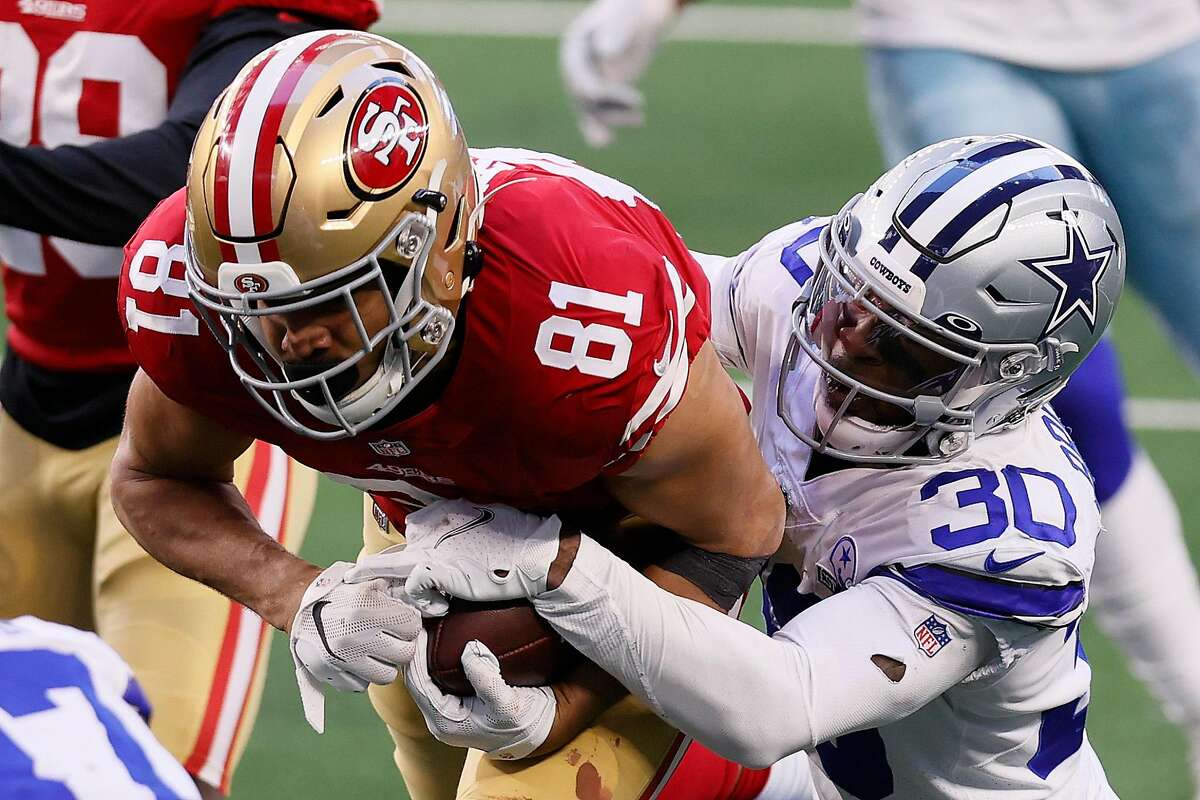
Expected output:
(601, 305)
(784, 259)
(358, 14)
(1008, 531)
(761, 285)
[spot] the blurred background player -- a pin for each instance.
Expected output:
(99, 104)
(1118, 86)
(73, 721)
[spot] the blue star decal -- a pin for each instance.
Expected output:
(1075, 275)
(845, 559)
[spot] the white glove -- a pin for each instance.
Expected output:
(481, 553)
(349, 635)
(505, 722)
(603, 54)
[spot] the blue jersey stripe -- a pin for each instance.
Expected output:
(26, 676)
(790, 257)
(981, 596)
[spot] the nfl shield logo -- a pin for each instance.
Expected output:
(932, 635)
(393, 448)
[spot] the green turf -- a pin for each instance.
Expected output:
(740, 139)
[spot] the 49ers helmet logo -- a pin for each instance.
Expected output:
(385, 140)
(250, 282)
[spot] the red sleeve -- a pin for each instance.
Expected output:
(360, 14)
(607, 310)
(167, 337)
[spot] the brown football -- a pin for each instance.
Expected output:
(528, 649)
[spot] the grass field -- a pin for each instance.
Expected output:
(741, 138)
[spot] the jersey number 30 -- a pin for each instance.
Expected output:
(595, 348)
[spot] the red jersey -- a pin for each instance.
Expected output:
(72, 73)
(580, 331)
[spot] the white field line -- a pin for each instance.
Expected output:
(1164, 415)
(542, 20)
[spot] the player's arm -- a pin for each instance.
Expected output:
(100, 192)
(602, 56)
(702, 477)
(172, 487)
(857, 660)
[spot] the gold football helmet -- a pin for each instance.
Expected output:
(334, 162)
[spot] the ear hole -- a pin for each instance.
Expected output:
(456, 224)
(395, 66)
(333, 100)
(500, 573)
(341, 214)
(892, 669)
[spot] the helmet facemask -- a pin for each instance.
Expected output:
(905, 391)
(414, 339)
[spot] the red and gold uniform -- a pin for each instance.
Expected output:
(98, 104)
(576, 341)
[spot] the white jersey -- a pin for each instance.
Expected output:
(1049, 34)
(73, 721)
(998, 543)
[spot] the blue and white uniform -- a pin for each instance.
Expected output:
(1117, 84)
(73, 721)
(996, 545)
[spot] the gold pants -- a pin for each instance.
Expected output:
(624, 756)
(64, 557)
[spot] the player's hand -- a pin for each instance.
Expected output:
(603, 54)
(348, 636)
(483, 553)
(505, 722)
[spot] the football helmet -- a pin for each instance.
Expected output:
(989, 266)
(333, 163)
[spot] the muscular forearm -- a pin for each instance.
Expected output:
(204, 530)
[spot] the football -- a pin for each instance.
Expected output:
(530, 652)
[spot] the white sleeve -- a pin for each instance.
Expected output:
(725, 336)
(753, 698)
(751, 297)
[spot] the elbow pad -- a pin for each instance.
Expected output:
(722, 577)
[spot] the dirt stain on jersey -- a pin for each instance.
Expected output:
(588, 785)
(573, 756)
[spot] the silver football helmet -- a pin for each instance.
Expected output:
(954, 297)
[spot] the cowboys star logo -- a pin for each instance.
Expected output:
(1075, 274)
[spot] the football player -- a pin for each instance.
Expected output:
(99, 104)
(941, 522)
(73, 721)
(943, 69)
(344, 279)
